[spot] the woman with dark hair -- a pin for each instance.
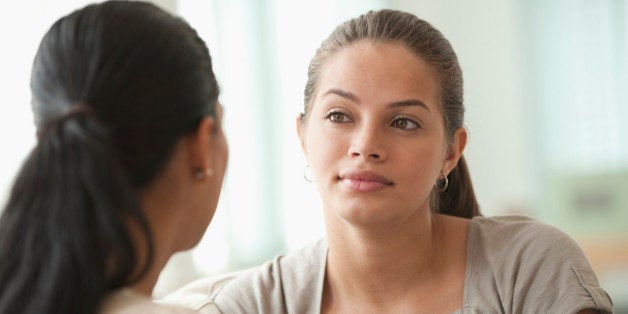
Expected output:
(382, 130)
(128, 165)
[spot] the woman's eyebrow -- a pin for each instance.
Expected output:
(353, 98)
(409, 102)
(344, 94)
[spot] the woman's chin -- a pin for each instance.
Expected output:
(364, 215)
(373, 211)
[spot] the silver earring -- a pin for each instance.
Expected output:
(444, 186)
(200, 174)
(307, 174)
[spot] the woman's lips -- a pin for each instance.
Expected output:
(364, 180)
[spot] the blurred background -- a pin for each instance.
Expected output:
(546, 91)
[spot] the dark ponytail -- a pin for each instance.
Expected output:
(392, 26)
(64, 221)
(458, 199)
(115, 85)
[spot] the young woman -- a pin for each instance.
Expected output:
(383, 133)
(128, 165)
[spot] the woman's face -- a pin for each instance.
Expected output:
(220, 157)
(374, 137)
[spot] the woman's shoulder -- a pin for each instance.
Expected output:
(276, 286)
(125, 301)
(529, 263)
(296, 267)
(517, 233)
(510, 223)
(522, 245)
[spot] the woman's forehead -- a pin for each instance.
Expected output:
(389, 72)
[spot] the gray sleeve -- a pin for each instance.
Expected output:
(551, 274)
(521, 265)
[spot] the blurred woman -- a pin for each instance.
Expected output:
(128, 165)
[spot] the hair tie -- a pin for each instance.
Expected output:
(77, 109)
(72, 111)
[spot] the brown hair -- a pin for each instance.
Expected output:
(392, 26)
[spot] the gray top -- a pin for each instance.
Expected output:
(515, 264)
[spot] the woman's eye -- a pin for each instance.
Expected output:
(404, 124)
(337, 117)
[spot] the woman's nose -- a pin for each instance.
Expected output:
(368, 146)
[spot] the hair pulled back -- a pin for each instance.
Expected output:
(115, 85)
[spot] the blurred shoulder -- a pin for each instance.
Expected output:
(198, 294)
(276, 286)
(125, 301)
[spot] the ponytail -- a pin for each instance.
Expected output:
(64, 240)
(459, 198)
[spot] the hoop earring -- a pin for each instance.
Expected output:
(200, 174)
(444, 186)
(307, 174)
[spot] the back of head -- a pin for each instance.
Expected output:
(427, 43)
(144, 73)
(115, 85)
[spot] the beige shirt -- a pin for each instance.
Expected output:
(515, 264)
(126, 301)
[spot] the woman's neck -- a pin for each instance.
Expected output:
(386, 265)
(165, 230)
(382, 257)
(146, 285)
(162, 251)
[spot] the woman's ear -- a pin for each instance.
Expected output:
(455, 150)
(301, 133)
(199, 145)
